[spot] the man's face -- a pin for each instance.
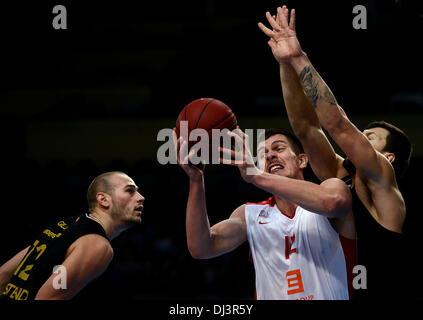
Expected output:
(277, 157)
(127, 202)
(377, 137)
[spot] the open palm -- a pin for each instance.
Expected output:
(283, 38)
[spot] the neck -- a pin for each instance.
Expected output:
(285, 206)
(110, 226)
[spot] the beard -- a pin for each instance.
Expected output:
(126, 218)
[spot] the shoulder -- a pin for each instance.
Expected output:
(239, 213)
(92, 245)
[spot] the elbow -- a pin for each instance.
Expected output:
(196, 252)
(336, 205)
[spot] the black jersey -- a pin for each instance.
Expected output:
(47, 252)
(381, 252)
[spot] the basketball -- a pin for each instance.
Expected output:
(207, 114)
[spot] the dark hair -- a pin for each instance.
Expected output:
(295, 142)
(398, 143)
(296, 147)
(100, 184)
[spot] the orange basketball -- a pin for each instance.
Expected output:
(207, 114)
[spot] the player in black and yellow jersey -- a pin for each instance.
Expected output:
(69, 254)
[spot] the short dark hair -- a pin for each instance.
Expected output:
(295, 142)
(101, 183)
(398, 143)
(296, 147)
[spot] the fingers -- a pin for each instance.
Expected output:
(175, 142)
(282, 11)
(266, 30)
(279, 21)
(272, 22)
(292, 21)
(283, 16)
(228, 156)
(183, 155)
(285, 13)
(240, 138)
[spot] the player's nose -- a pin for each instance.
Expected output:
(141, 198)
(270, 155)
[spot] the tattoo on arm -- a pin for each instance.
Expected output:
(329, 97)
(310, 81)
(309, 85)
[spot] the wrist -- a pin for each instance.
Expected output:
(197, 179)
(299, 62)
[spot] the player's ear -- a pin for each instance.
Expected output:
(302, 160)
(390, 156)
(103, 199)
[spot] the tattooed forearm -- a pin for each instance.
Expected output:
(309, 85)
(310, 81)
(329, 97)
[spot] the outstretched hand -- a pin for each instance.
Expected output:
(283, 38)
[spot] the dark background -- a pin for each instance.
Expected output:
(78, 102)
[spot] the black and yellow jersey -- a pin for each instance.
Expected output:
(48, 251)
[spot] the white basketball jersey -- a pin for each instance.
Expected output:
(295, 258)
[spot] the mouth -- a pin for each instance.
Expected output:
(275, 167)
(139, 209)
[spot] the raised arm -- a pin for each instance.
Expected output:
(301, 114)
(205, 241)
(354, 143)
(305, 124)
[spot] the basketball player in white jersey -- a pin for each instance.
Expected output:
(294, 236)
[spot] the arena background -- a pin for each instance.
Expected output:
(77, 102)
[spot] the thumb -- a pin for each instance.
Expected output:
(272, 44)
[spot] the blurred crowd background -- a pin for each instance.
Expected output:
(78, 102)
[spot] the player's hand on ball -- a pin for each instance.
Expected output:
(194, 172)
(241, 157)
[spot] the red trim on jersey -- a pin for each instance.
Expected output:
(289, 216)
(349, 246)
(271, 201)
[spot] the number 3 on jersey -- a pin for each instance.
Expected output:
(295, 282)
(24, 274)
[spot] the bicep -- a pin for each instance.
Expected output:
(230, 233)
(85, 262)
